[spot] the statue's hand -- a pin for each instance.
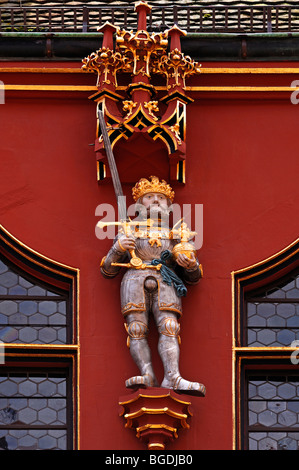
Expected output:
(126, 243)
(185, 262)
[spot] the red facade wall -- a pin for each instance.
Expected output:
(242, 165)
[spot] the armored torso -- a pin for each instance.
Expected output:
(150, 244)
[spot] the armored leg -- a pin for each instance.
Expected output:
(169, 351)
(137, 330)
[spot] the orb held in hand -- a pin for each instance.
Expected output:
(183, 248)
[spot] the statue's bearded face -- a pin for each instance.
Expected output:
(156, 205)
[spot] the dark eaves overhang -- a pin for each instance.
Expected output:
(200, 46)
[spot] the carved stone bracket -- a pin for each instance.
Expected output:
(156, 415)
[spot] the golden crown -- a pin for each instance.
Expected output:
(152, 185)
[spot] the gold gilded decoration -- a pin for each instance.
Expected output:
(165, 394)
(185, 248)
(140, 49)
(154, 233)
(185, 234)
(135, 229)
(156, 417)
(153, 185)
(136, 263)
(128, 106)
(169, 327)
(155, 241)
(175, 66)
(121, 247)
(106, 64)
(136, 330)
(143, 54)
(166, 410)
(132, 307)
(176, 130)
(102, 261)
(156, 426)
(173, 307)
(125, 227)
(152, 107)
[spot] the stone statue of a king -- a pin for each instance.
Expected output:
(159, 262)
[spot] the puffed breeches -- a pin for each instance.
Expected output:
(135, 298)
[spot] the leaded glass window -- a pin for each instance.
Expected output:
(273, 315)
(273, 411)
(31, 312)
(39, 368)
(33, 410)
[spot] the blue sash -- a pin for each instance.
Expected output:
(168, 275)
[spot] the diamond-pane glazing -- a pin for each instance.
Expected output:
(14, 284)
(273, 441)
(273, 412)
(30, 313)
(273, 317)
(33, 411)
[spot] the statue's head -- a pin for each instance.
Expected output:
(154, 195)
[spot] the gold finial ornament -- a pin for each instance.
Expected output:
(152, 185)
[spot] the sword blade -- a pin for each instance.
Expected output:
(122, 210)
